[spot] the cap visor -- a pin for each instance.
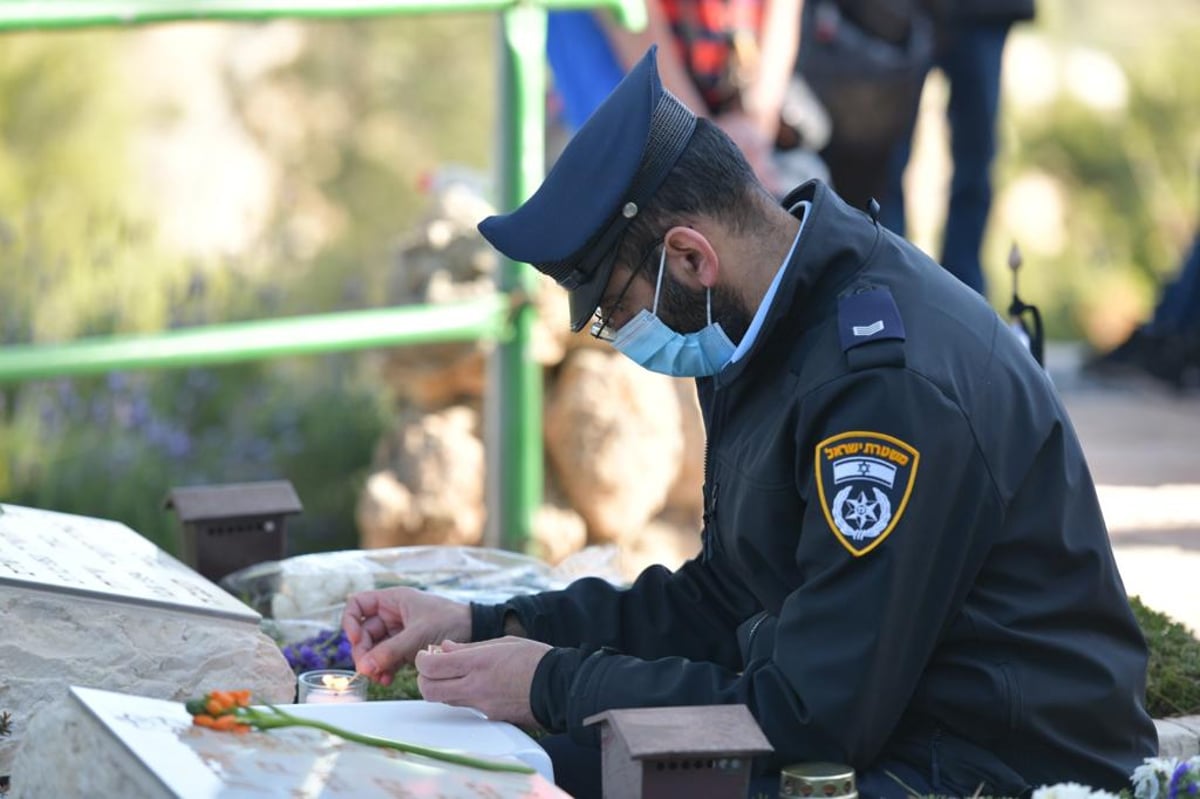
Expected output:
(585, 299)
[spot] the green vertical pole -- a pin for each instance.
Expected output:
(517, 433)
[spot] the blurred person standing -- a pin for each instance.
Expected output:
(865, 61)
(970, 38)
(1167, 347)
(728, 60)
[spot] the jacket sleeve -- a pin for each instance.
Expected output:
(831, 675)
(691, 612)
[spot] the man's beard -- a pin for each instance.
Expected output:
(686, 311)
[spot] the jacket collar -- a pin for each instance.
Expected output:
(834, 246)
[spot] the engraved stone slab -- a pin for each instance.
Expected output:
(90, 602)
(102, 559)
(99, 743)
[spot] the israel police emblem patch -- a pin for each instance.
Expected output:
(864, 480)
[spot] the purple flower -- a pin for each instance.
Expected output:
(328, 649)
(1180, 773)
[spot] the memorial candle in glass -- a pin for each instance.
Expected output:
(331, 686)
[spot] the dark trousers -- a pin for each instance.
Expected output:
(577, 771)
(1178, 310)
(970, 59)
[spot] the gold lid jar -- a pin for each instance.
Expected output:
(818, 780)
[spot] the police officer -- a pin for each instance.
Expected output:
(904, 565)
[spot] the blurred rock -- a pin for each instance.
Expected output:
(446, 261)
(621, 443)
(428, 487)
(665, 541)
(614, 441)
(432, 376)
(552, 330)
(558, 532)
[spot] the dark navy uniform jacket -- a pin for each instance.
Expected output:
(904, 557)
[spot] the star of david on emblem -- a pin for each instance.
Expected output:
(864, 481)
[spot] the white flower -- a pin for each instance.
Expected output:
(316, 587)
(1070, 790)
(1152, 779)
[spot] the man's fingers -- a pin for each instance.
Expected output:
(446, 664)
(376, 628)
(451, 692)
(457, 646)
(387, 655)
(352, 621)
(357, 651)
(359, 608)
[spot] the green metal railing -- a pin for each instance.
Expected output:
(514, 426)
(250, 341)
(51, 14)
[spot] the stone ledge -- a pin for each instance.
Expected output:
(1178, 736)
(54, 640)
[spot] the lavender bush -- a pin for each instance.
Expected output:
(328, 649)
(113, 446)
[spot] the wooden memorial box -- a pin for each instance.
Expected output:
(228, 527)
(661, 752)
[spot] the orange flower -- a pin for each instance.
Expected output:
(230, 711)
(218, 710)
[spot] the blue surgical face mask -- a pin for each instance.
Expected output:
(648, 342)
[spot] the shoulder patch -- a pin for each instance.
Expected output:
(864, 480)
(869, 315)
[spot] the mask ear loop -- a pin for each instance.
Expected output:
(662, 264)
(708, 298)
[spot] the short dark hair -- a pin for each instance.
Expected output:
(711, 178)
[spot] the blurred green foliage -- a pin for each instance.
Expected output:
(1173, 673)
(362, 120)
(114, 446)
(1130, 177)
(389, 103)
(76, 256)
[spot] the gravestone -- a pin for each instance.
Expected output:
(100, 743)
(90, 602)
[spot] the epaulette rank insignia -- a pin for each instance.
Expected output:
(864, 480)
(867, 316)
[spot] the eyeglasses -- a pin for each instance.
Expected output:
(602, 326)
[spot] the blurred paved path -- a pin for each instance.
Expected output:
(1142, 443)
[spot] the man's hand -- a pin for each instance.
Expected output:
(387, 628)
(492, 676)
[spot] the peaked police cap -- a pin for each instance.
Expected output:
(572, 226)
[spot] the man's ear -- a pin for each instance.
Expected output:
(691, 258)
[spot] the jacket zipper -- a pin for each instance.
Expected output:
(710, 516)
(710, 487)
(750, 639)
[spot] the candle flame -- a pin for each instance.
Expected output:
(335, 682)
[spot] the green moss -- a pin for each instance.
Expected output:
(1173, 676)
(404, 686)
